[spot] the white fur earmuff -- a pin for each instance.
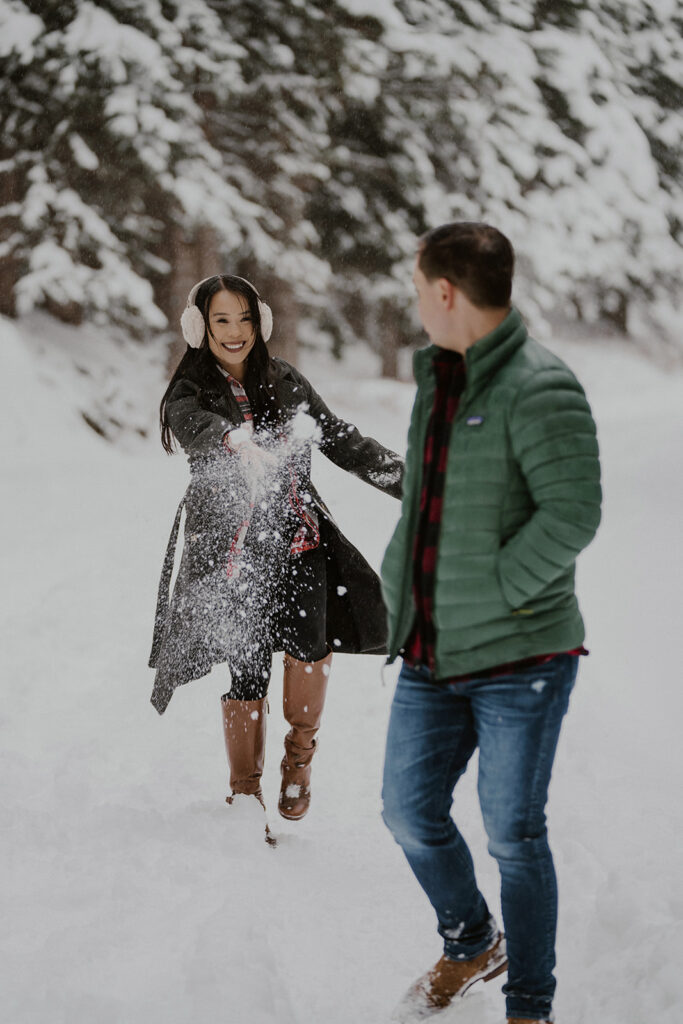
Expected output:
(192, 321)
(266, 314)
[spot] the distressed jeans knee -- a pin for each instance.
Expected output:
(411, 829)
(520, 850)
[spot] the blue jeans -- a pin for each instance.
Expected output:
(434, 729)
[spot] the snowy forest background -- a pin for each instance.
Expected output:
(305, 145)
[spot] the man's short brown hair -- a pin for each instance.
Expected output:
(476, 258)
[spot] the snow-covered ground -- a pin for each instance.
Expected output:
(129, 896)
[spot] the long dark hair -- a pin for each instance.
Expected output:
(199, 364)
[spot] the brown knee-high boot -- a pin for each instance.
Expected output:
(305, 685)
(244, 728)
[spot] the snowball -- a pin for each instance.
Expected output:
(303, 428)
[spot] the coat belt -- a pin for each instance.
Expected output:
(164, 594)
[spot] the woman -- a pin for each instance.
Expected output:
(264, 566)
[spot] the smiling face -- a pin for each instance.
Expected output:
(231, 332)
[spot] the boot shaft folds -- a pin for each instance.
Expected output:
(303, 699)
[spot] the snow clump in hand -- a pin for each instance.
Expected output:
(239, 436)
(303, 429)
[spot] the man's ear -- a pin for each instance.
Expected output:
(446, 293)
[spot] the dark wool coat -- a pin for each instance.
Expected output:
(213, 618)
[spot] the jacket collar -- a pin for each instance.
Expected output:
(484, 358)
(210, 378)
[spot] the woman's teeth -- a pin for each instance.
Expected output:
(234, 348)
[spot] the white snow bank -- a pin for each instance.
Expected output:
(57, 377)
(33, 412)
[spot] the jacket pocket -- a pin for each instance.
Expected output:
(471, 595)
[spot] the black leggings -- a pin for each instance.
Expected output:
(299, 627)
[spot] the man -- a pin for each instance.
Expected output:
(501, 493)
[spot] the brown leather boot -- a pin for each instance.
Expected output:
(244, 728)
(449, 980)
(305, 685)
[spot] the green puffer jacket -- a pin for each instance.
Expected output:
(522, 498)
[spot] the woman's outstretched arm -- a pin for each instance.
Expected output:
(343, 444)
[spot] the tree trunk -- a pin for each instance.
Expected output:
(279, 295)
(10, 270)
(616, 311)
(192, 257)
(390, 340)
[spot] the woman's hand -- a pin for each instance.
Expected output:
(257, 461)
(258, 464)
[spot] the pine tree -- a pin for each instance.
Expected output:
(105, 151)
(145, 143)
(558, 122)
